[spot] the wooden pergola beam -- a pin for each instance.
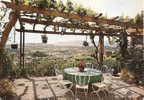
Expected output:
(62, 33)
(101, 49)
(55, 13)
(71, 33)
(5, 34)
(32, 21)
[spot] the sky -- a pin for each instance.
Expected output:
(117, 7)
(111, 8)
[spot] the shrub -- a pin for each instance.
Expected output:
(135, 63)
(86, 58)
(6, 64)
(39, 54)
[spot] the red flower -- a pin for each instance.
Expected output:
(82, 63)
(81, 66)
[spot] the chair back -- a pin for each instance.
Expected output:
(103, 68)
(57, 71)
(82, 80)
(89, 65)
(95, 66)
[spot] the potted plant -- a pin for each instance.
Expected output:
(14, 46)
(81, 66)
(85, 43)
(44, 38)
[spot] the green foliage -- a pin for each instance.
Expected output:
(112, 63)
(42, 4)
(95, 54)
(81, 11)
(83, 58)
(38, 54)
(130, 59)
(116, 55)
(134, 65)
(44, 67)
(135, 61)
(114, 60)
(69, 7)
(139, 18)
(108, 53)
(3, 11)
(60, 6)
(122, 43)
(112, 40)
(6, 64)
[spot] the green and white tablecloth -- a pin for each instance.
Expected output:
(73, 74)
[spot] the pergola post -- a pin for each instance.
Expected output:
(22, 47)
(5, 33)
(101, 48)
(123, 43)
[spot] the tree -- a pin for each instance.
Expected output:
(139, 18)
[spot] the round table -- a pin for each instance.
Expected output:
(90, 74)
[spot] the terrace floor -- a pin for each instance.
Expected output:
(37, 88)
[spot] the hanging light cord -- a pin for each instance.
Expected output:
(14, 34)
(86, 37)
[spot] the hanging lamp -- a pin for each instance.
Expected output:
(85, 43)
(14, 45)
(44, 38)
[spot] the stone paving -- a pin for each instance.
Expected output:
(37, 88)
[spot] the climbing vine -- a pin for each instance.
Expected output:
(68, 7)
(95, 55)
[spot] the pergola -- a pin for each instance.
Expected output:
(27, 14)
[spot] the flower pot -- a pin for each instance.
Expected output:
(44, 40)
(14, 46)
(81, 66)
(115, 71)
(85, 43)
(81, 69)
